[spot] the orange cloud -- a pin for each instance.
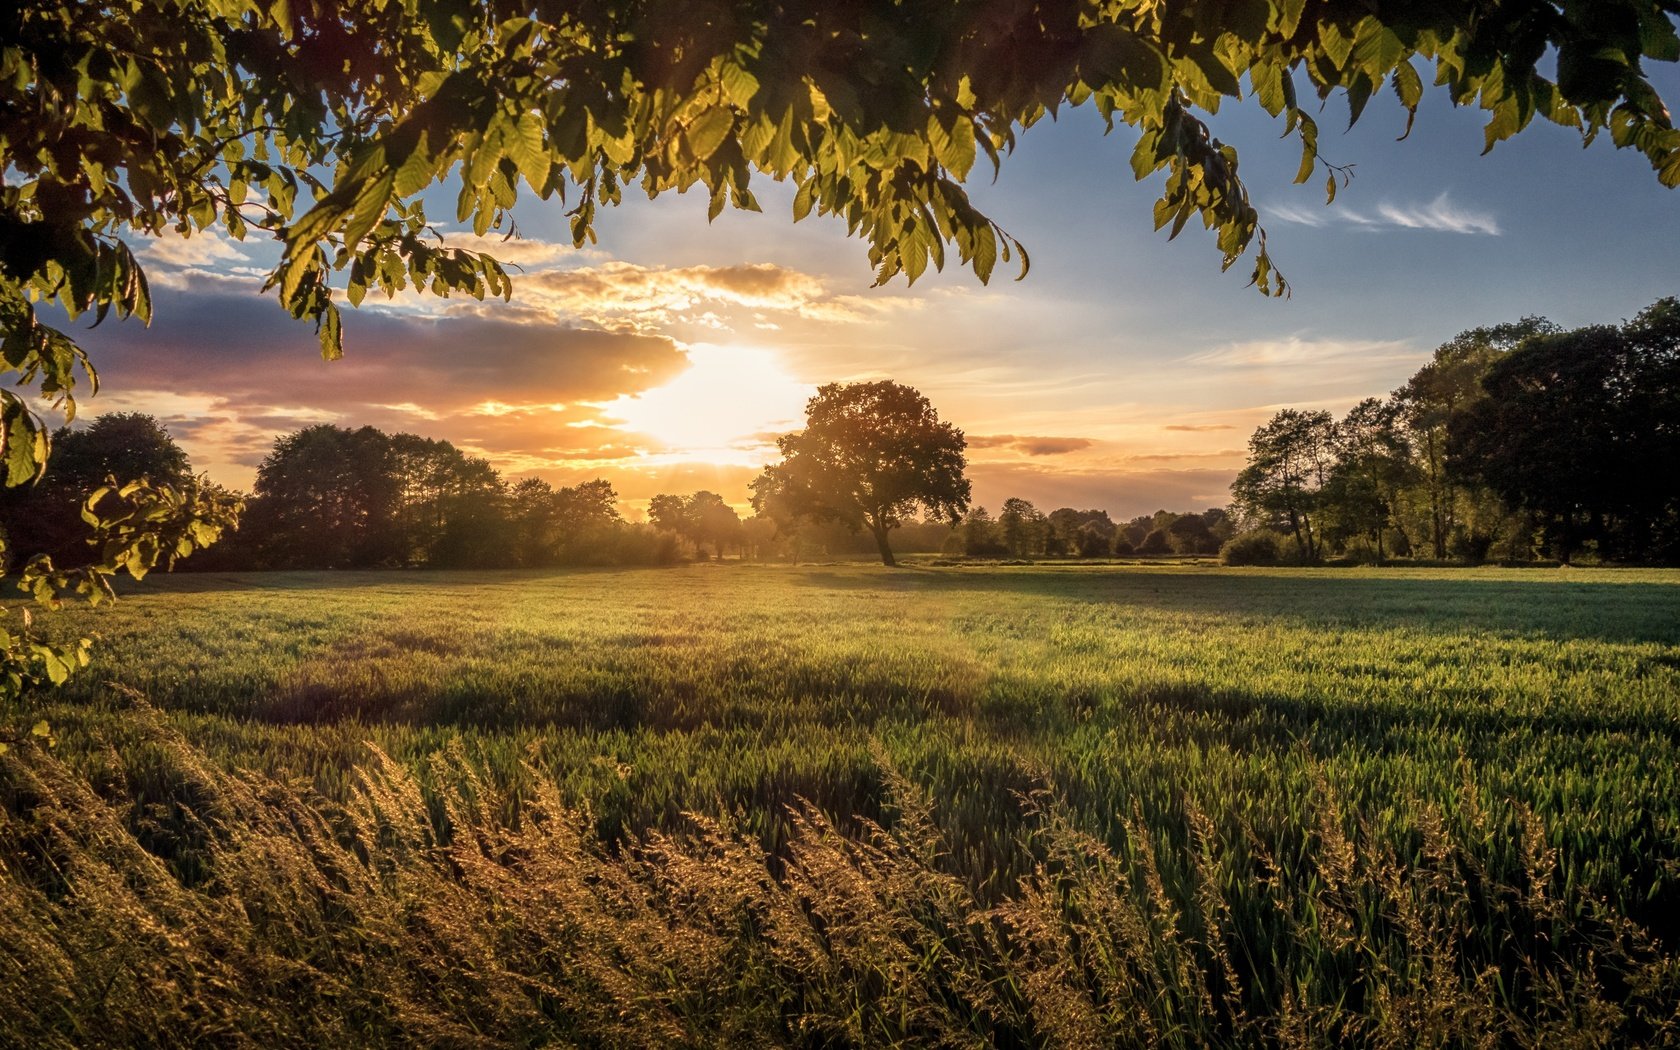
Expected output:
(1032, 446)
(618, 294)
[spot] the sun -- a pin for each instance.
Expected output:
(721, 409)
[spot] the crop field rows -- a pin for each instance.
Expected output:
(839, 805)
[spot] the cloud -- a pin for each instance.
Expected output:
(1297, 351)
(1180, 457)
(204, 249)
(1440, 215)
(526, 253)
(1032, 446)
(1197, 428)
(622, 294)
(228, 373)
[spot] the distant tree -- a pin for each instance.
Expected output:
(1134, 531)
(1189, 534)
(46, 518)
(668, 512)
(869, 456)
(448, 510)
(1088, 533)
(783, 514)
(1157, 541)
(1289, 458)
(325, 498)
(1433, 398)
(1578, 428)
(760, 538)
(712, 521)
(980, 535)
(1093, 541)
(586, 521)
(1022, 528)
(531, 514)
(702, 518)
(1373, 464)
(1220, 523)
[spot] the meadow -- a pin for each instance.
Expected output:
(837, 805)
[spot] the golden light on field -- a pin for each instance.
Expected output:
(721, 409)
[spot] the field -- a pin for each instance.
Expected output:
(841, 805)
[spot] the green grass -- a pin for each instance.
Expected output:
(1383, 804)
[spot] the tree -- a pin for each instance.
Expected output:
(711, 520)
(702, 518)
(326, 498)
(1088, 533)
(1289, 458)
(46, 518)
(448, 505)
(532, 515)
(869, 456)
(586, 520)
(978, 533)
(1578, 429)
(1024, 530)
(1373, 463)
(1436, 396)
(1189, 534)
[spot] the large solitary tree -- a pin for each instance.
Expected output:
(869, 456)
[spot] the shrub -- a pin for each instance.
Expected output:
(1255, 547)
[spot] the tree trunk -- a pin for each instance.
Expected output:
(880, 532)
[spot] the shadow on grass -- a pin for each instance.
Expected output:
(1524, 603)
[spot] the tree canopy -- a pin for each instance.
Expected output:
(869, 456)
(1513, 439)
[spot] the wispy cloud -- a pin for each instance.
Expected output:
(1441, 215)
(1294, 351)
(1197, 428)
(1030, 445)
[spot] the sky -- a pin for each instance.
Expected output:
(1125, 372)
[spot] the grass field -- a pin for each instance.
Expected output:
(841, 805)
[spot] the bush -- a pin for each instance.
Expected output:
(1255, 547)
(1123, 547)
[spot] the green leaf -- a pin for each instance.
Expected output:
(26, 443)
(804, 198)
(1408, 88)
(740, 85)
(372, 201)
(330, 327)
(707, 131)
(525, 149)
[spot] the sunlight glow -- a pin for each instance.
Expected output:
(725, 408)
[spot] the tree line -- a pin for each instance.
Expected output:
(1517, 441)
(332, 497)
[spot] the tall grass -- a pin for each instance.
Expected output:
(850, 807)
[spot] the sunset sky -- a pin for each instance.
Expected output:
(1124, 373)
